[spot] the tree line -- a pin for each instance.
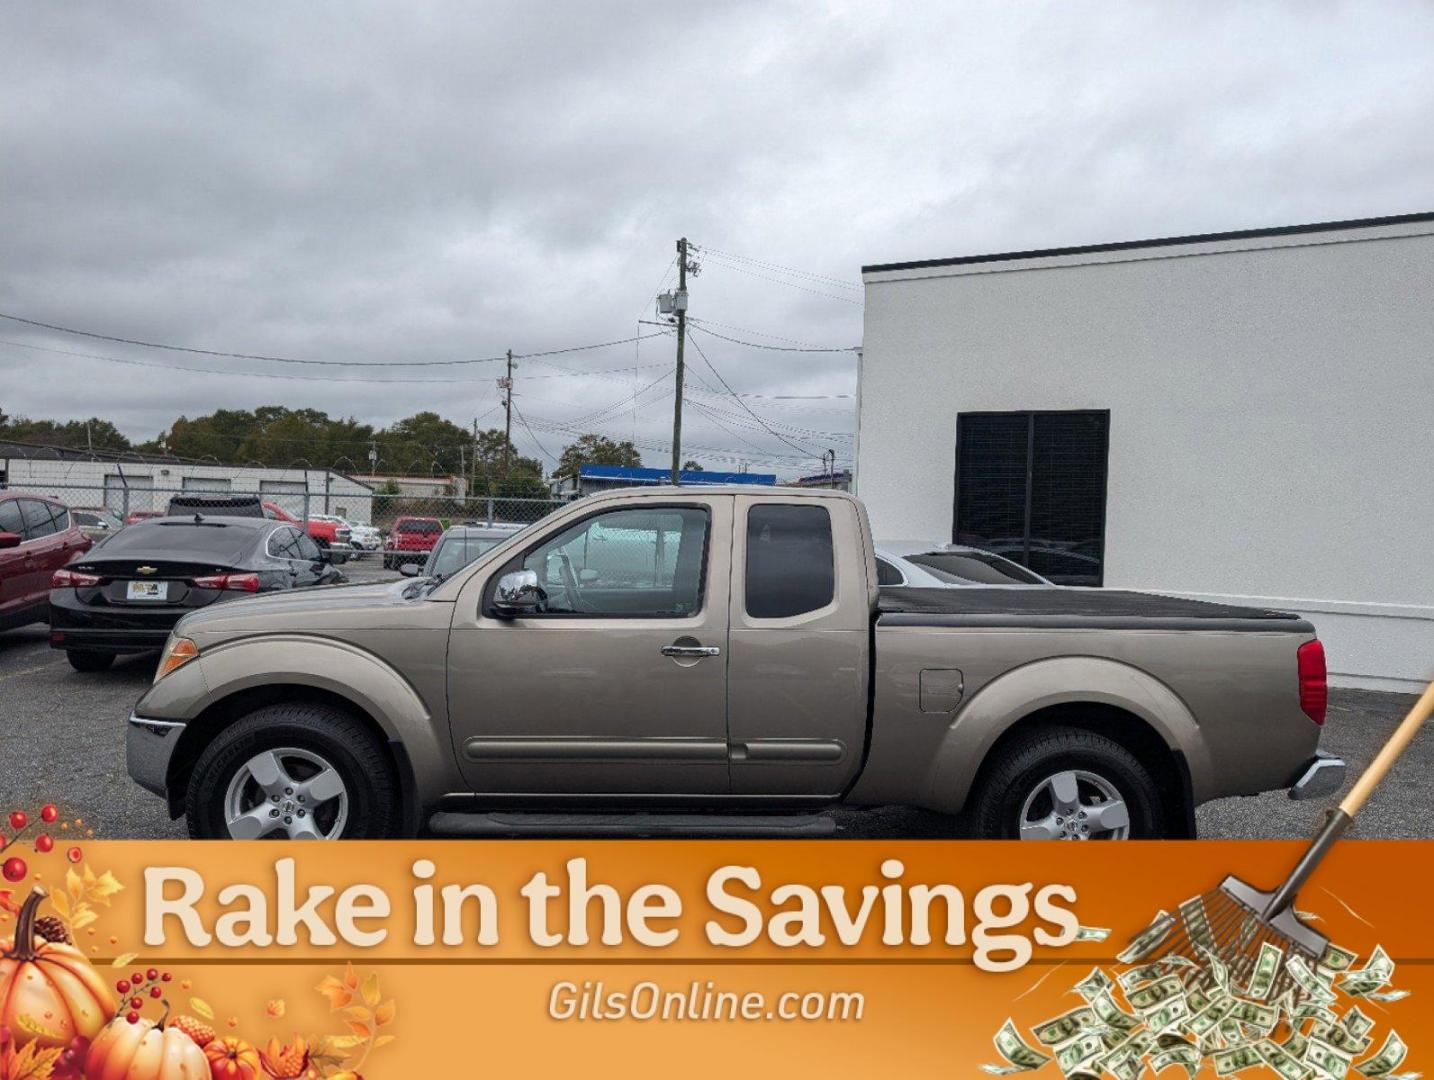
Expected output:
(424, 444)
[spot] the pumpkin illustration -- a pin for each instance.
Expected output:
(49, 994)
(144, 1050)
(231, 1058)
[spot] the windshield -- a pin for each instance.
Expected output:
(973, 567)
(455, 552)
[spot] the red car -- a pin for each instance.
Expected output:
(37, 536)
(142, 515)
(410, 540)
(326, 534)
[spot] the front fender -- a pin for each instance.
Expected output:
(1024, 690)
(340, 668)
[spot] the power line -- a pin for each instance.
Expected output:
(779, 281)
(698, 325)
(524, 421)
(759, 333)
(842, 283)
(321, 363)
(246, 374)
(744, 405)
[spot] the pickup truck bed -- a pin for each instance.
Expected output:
(1059, 608)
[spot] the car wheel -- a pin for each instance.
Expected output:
(89, 660)
(1065, 783)
(297, 772)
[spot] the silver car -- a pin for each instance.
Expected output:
(923, 564)
(459, 546)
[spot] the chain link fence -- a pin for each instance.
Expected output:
(107, 495)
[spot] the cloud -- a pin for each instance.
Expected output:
(366, 182)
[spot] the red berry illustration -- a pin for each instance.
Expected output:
(132, 1017)
(49, 812)
(18, 819)
(152, 974)
(137, 978)
(136, 1003)
(14, 868)
(74, 854)
(122, 986)
(44, 843)
(155, 991)
(166, 977)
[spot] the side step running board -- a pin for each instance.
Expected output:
(507, 823)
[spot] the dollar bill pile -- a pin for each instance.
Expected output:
(1176, 1010)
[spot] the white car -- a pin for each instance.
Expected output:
(922, 564)
(362, 537)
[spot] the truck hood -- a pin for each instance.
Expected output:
(335, 607)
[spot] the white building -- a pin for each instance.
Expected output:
(125, 483)
(1242, 417)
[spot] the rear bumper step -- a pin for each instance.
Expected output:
(503, 823)
(1321, 777)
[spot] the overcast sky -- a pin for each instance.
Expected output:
(441, 181)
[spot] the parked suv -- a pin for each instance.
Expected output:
(410, 541)
(37, 537)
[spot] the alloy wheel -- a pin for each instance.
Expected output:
(286, 793)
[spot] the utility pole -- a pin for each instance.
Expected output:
(830, 456)
(677, 304)
(507, 384)
(473, 482)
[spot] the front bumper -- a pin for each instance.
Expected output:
(149, 745)
(1321, 777)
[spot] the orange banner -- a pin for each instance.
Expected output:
(614, 958)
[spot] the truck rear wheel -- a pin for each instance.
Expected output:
(297, 771)
(1066, 783)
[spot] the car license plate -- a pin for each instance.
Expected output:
(147, 590)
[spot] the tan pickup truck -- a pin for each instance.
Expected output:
(720, 660)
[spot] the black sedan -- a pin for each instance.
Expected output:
(126, 593)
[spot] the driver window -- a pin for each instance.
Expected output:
(627, 563)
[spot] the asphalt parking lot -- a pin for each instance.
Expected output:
(62, 740)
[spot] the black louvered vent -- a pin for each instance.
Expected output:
(1031, 486)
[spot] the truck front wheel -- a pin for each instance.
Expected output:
(295, 771)
(1066, 783)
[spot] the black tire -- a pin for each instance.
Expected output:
(387, 563)
(89, 660)
(374, 809)
(1008, 780)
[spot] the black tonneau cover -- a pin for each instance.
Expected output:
(1058, 608)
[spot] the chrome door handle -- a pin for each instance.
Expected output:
(691, 651)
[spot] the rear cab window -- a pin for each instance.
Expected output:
(791, 564)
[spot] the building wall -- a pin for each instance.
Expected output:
(1269, 430)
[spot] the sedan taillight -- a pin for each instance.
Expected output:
(231, 582)
(69, 579)
(1314, 681)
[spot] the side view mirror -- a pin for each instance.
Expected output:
(410, 569)
(9, 539)
(518, 593)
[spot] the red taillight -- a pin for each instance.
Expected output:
(232, 582)
(69, 579)
(1314, 683)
